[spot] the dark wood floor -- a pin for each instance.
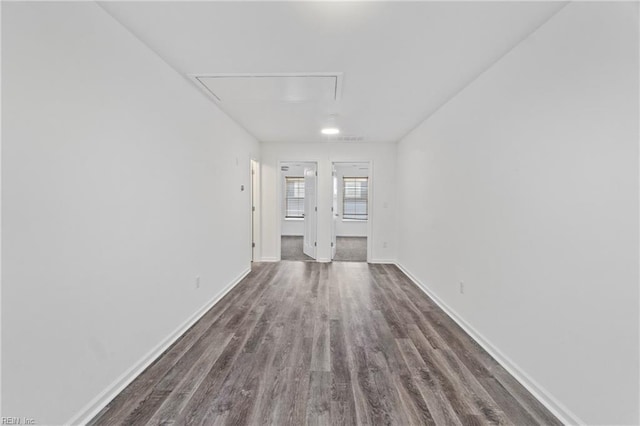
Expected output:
(325, 344)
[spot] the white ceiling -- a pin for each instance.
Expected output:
(400, 60)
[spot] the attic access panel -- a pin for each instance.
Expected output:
(307, 87)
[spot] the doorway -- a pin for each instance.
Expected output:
(255, 231)
(299, 213)
(350, 223)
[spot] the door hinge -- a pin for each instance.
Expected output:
(332, 209)
(253, 244)
(253, 208)
(316, 208)
(315, 244)
(316, 173)
(253, 172)
(331, 243)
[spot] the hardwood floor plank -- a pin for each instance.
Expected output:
(319, 400)
(147, 407)
(273, 380)
(198, 406)
(439, 407)
(325, 344)
(386, 304)
(178, 398)
(366, 398)
(339, 365)
(343, 411)
(293, 410)
(459, 396)
(320, 354)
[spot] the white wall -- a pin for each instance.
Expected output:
(114, 171)
(383, 156)
(525, 187)
(349, 228)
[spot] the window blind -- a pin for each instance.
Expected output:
(355, 203)
(294, 191)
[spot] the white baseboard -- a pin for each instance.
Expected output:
(541, 394)
(383, 261)
(99, 402)
(270, 259)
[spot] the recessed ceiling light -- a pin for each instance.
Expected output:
(330, 131)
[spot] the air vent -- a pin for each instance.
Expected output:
(284, 168)
(348, 138)
(285, 87)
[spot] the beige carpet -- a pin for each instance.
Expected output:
(351, 249)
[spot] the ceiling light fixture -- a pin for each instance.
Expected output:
(330, 131)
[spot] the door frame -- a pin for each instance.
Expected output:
(280, 202)
(370, 200)
(254, 209)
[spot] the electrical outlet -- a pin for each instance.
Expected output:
(461, 287)
(198, 281)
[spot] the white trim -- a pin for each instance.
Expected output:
(541, 394)
(370, 217)
(383, 261)
(96, 405)
(0, 221)
(256, 216)
(270, 259)
(195, 78)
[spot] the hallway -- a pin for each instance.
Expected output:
(315, 343)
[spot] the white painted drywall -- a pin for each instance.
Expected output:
(349, 228)
(383, 156)
(292, 227)
(525, 187)
(121, 183)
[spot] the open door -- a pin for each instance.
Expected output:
(334, 213)
(310, 213)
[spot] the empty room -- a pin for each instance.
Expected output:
(320, 213)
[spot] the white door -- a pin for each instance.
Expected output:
(334, 214)
(310, 213)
